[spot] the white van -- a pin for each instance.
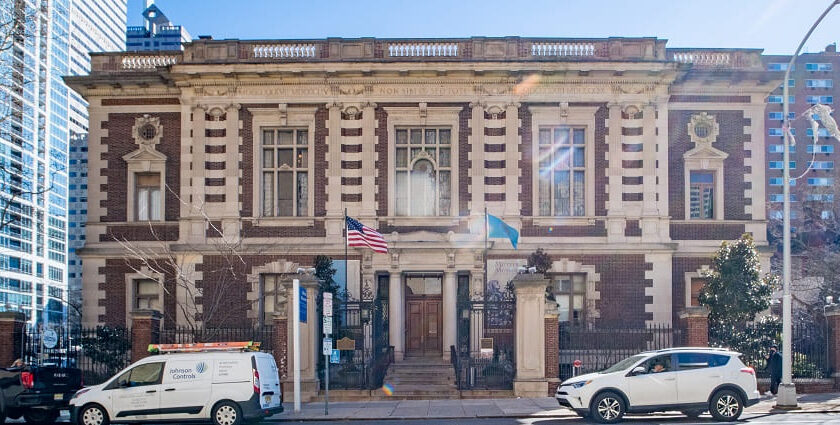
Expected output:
(228, 388)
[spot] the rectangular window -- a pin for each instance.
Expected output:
(791, 83)
(146, 294)
(423, 171)
(697, 284)
(818, 67)
(822, 83)
(826, 100)
(562, 171)
(285, 172)
(778, 165)
(781, 149)
(820, 181)
(777, 181)
(820, 148)
(778, 66)
(777, 116)
(147, 206)
(778, 99)
(570, 295)
(774, 132)
(779, 197)
(702, 194)
(822, 132)
(271, 290)
(822, 165)
(821, 197)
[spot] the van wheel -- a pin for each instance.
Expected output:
(93, 414)
(726, 406)
(40, 416)
(607, 408)
(227, 413)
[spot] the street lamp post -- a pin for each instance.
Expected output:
(787, 391)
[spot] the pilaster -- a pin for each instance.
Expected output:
(530, 380)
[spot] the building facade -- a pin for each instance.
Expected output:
(33, 151)
(626, 161)
(96, 26)
(811, 82)
(158, 33)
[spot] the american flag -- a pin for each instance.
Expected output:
(359, 235)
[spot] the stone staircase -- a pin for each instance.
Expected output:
(422, 378)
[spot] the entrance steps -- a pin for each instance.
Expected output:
(421, 378)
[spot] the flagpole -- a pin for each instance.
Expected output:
(345, 249)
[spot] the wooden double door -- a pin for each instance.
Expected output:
(424, 314)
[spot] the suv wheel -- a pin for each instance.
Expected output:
(607, 408)
(227, 413)
(726, 406)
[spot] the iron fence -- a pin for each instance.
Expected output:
(99, 352)
(598, 348)
(811, 357)
(188, 335)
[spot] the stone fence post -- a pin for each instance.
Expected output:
(695, 326)
(832, 316)
(530, 380)
(11, 333)
(310, 343)
(145, 330)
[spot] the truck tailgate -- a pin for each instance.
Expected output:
(55, 379)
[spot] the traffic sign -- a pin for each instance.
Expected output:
(334, 357)
(327, 347)
(302, 306)
(326, 324)
(328, 304)
(577, 363)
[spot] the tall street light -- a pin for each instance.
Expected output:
(787, 391)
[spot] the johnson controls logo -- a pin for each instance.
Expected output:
(181, 374)
(201, 367)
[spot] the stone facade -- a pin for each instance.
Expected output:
(634, 104)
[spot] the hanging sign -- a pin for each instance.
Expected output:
(327, 347)
(326, 324)
(335, 356)
(302, 306)
(328, 304)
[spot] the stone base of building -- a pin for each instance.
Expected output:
(309, 390)
(530, 389)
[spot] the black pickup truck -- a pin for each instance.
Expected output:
(37, 393)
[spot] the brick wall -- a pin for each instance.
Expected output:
(707, 231)
(464, 162)
(552, 354)
(11, 332)
(730, 140)
(111, 280)
(679, 267)
(120, 143)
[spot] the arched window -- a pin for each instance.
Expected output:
(423, 172)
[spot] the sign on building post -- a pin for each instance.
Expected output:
(302, 307)
(326, 325)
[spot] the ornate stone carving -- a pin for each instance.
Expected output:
(703, 129)
(352, 111)
(147, 131)
(283, 110)
(494, 111)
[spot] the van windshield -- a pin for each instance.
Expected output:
(624, 364)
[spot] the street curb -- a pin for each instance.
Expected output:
(450, 418)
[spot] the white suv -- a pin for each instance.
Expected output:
(691, 380)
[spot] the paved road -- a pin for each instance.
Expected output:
(790, 418)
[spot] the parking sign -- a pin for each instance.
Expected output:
(327, 348)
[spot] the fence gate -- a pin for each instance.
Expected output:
(484, 357)
(366, 324)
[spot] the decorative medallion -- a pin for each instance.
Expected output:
(703, 129)
(147, 131)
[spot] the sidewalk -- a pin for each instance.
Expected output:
(495, 408)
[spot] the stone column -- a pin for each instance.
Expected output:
(552, 351)
(396, 312)
(368, 160)
(145, 330)
(334, 208)
(231, 213)
(695, 326)
(476, 172)
(512, 207)
(650, 211)
(450, 311)
(310, 343)
(11, 333)
(832, 316)
(530, 380)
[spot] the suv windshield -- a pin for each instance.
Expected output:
(624, 364)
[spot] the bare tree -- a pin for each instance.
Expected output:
(201, 297)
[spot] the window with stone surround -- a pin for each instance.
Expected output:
(570, 295)
(146, 294)
(702, 194)
(270, 288)
(562, 171)
(147, 192)
(697, 284)
(285, 172)
(423, 171)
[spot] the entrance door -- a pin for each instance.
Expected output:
(424, 313)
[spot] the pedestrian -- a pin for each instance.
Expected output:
(774, 364)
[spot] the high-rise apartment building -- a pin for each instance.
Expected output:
(33, 154)
(96, 26)
(157, 33)
(811, 82)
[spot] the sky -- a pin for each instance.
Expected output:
(774, 25)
